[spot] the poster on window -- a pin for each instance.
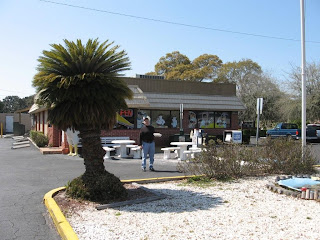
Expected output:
(222, 119)
(192, 120)
(140, 115)
(175, 119)
(161, 119)
(205, 119)
(125, 119)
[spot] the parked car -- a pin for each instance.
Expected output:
(313, 132)
(284, 130)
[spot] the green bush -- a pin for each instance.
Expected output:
(285, 156)
(101, 188)
(39, 138)
(276, 156)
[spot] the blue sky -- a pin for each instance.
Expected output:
(28, 27)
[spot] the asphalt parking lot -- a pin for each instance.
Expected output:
(26, 176)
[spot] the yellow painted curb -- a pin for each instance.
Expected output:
(65, 230)
(161, 179)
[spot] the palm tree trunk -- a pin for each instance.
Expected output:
(92, 152)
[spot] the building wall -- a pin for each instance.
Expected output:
(167, 132)
(25, 119)
(186, 87)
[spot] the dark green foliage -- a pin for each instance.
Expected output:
(13, 103)
(80, 84)
(39, 138)
(102, 188)
(276, 156)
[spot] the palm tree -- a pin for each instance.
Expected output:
(81, 87)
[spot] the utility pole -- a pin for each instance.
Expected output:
(303, 81)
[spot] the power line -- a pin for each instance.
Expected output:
(4, 90)
(176, 23)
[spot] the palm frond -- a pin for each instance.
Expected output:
(80, 84)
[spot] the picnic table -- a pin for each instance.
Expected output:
(123, 146)
(183, 147)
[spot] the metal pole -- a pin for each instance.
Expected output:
(258, 123)
(181, 118)
(303, 81)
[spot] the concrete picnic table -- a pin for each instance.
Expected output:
(183, 147)
(123, 146)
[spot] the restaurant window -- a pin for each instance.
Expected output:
(209, 119)
(192, 120)
(125, 119)
(222, 120)
(160, 119)
(140, 115)
(175, 119)
(205, 119)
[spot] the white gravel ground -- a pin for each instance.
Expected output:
(243, 209)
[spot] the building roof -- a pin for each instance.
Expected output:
(194, 102)
(168, 95)
(139, 98)
(35, 108)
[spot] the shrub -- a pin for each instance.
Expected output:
(276, 156)
(285, 156)
(224, 161)
(101, 188)
(39, 138)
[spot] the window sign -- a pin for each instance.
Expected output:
(192, 119)
(161, 119)
(140, 115)
(175, 120)
(125, 119)
(205, 119)
(222, 119)
(126, 113)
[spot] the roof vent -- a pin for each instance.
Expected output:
(149, 76)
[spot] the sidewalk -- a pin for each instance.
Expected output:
(128, 168)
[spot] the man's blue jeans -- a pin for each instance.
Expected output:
(148, 148)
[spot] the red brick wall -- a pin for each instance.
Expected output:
(54, 136)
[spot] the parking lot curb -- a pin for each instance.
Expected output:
(64, 228)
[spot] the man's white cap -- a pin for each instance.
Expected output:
(146, 117)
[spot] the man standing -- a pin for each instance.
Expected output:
(147, 143)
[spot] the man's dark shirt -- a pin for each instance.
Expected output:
(146, 134)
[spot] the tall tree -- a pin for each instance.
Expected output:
(204, 67)
(262, 86)
(252, 83)
(312, 89)
(171, 61)
(79, 84)
(1, 107)
(176, 66)
(14, 103)
(11, 104)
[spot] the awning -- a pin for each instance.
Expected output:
(35, 108)
(171, 101)
(124, 122)
(139, 99)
